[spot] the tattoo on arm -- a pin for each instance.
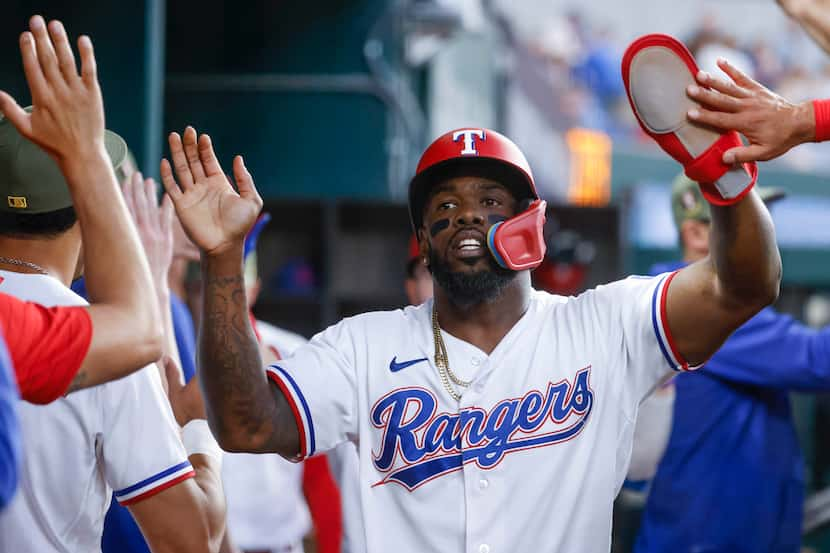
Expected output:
(240, 404)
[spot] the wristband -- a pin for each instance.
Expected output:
(197, 439)
(821, 111)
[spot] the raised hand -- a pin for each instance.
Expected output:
(183, 248)
(214, 216)
(154, 223)
(770, 123)
(67, 116)
(185, 399)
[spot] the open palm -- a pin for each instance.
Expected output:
(213, 214)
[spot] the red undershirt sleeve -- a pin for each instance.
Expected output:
(47, 346)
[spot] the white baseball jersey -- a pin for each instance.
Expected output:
(651, 433)
(117, 436)
(265, 502)
(532, 456)
(345, 467)
(256, 521)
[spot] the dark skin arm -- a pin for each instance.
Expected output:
(709, 299)
(245, 409)
(245, 412)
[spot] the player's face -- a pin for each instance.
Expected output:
(694, 237)
(454, 238)
(457, 217)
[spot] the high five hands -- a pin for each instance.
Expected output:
(67, 117)
(214, 215)
(770, 123)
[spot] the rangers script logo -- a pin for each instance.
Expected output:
(419, 444)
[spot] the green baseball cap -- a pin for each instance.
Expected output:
(688, 204)
(30, 180)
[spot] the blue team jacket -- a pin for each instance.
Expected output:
(9, 429)
(732, 477)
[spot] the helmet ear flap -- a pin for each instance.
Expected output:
(517, 243)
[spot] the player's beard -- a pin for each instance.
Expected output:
(468, 289)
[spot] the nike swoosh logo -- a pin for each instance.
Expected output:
(394, 366)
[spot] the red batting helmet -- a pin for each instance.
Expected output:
(470, 151)
(519, 243)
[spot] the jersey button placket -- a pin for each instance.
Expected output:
(476, 482)
(481, 376)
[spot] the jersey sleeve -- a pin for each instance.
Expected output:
(773, 350)
(142, 448)
(319, 382)
(46, 345)
(639, 339)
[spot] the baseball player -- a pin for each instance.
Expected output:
(653, 425)
(154, 225)
(53, 349)
(271, 502)
(494, 417)
(120, 435)
(732, 425)
(126, 336)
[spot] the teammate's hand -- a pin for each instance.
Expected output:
(183, 248)
(154, 224)
(185, 399)
(67, 118)
(213, 214)
(770, 123)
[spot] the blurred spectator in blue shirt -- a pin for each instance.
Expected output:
(732, 477)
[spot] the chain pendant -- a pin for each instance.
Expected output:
(21, 263)
(442, 361)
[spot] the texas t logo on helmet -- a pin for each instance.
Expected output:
(469, 141)
(517, 243)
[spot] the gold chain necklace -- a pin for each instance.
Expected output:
(21, 263)
(442, 362)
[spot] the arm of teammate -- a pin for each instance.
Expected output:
(245, 412)
(154, 223)
(710, 299)
(813, 16)
(776, 351)
(772, 124)
(189, 516)
(68, 122)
